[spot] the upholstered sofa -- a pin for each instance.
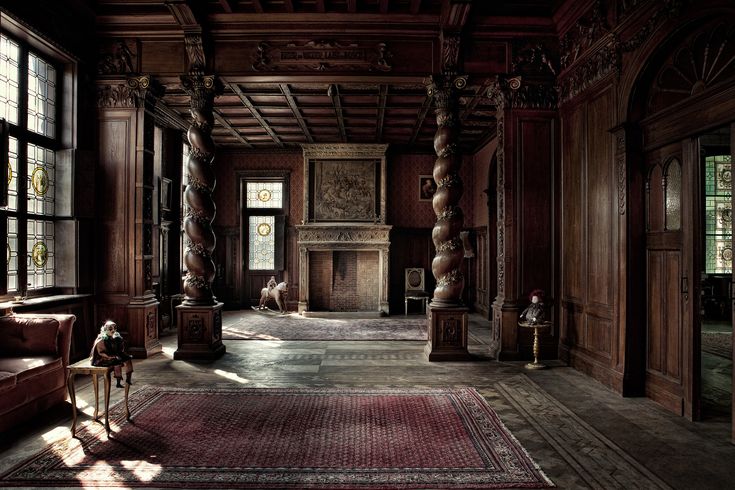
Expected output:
(34, 353)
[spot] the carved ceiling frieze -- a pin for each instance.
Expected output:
(120, 58)
(588, 29)
(342, 150)
(322, 55)
(595, 67)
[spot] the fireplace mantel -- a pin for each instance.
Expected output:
(340, 237)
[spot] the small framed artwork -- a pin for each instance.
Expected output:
(427, 187)
(165, 194)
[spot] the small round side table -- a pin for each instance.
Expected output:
(536, 327)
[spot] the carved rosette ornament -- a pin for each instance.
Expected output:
(198, 194)
(447, 263)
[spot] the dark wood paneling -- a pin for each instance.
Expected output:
(410, 247)
(573, 148)
(600, 204)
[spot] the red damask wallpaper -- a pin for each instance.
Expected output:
(404, 207)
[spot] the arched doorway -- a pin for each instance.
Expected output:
(682, 102)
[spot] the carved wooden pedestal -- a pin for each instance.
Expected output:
(143, 328)
(200, 332)
(447, 334)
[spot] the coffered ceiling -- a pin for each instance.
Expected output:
(368, 85)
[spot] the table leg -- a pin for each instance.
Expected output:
(73, 398)
(127, 409)
(107, 401)
(535, 364)
(96, 396)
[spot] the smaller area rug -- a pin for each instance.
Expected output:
(291, 438)
(717, 343)
(252, 325)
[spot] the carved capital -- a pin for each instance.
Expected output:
(444, 89)
(115, 94)
(503, 90)
(146, 89)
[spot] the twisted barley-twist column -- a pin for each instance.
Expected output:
(198, 194)
(447, 263)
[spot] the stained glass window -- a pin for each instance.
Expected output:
(718, 214)
(40, 246)
(41, 180)
(673, 196)
(9, 80)
(261, 232)
(260, 195)
(12, 255)
(41, 96)
(12, 174)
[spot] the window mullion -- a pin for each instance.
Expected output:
(23, 170)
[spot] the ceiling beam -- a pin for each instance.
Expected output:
(352, 6)
(320, 6)
(296, 112)
(171, 117)
(232, 130)
(383, 6)
(415, 7)
(476, 99)
(258, 6)
(382, 100)
(421, 117)
(289, 5)
(226, 5)
(333, 92)
(246, 102)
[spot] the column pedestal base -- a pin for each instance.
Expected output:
(200, 332)
(447, 334)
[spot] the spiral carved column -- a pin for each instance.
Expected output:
(447, 263)
(447, 315)
(200, 315)
(198, 194)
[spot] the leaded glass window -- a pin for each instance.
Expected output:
(673, 195)
(40, 246)
(718, 214)
(41, 180)
(41, 96)
(31, 165)
(264, 195)
(9, 79)
(12, 255)
(262, 246)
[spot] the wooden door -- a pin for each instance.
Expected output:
(669, 189)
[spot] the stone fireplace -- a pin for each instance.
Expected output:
(343, 239)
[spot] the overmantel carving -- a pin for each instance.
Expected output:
(344, 234)
(322, 55)
(344, 150)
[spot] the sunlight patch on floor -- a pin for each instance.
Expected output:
(231, 376)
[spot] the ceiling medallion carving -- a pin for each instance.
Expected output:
(322, 55)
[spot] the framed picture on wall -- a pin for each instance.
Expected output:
(165, 194)
(427, 187)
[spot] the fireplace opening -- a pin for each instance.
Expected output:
(344, 280)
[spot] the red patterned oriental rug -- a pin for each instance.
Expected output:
(290, 438)
(252, 325)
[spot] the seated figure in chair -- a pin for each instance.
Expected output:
(109, 350)
(277, 292)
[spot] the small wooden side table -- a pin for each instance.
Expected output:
(85, 367)
(536, 327)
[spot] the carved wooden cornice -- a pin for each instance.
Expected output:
(344, 150)
(597, 66)
(588, 29)
(357, 236)
(132, 92)
(322, 55)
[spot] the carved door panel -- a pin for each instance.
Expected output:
(668, 278)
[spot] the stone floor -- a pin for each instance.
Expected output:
(580, 433)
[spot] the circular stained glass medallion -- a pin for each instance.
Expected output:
(264, 229)
(39, 181)
(39, 254)
(264, 195)
(726, 175)
(727, 254)
(726, 216)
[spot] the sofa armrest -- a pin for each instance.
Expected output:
(63, 338)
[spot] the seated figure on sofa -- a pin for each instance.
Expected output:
(109, 350)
